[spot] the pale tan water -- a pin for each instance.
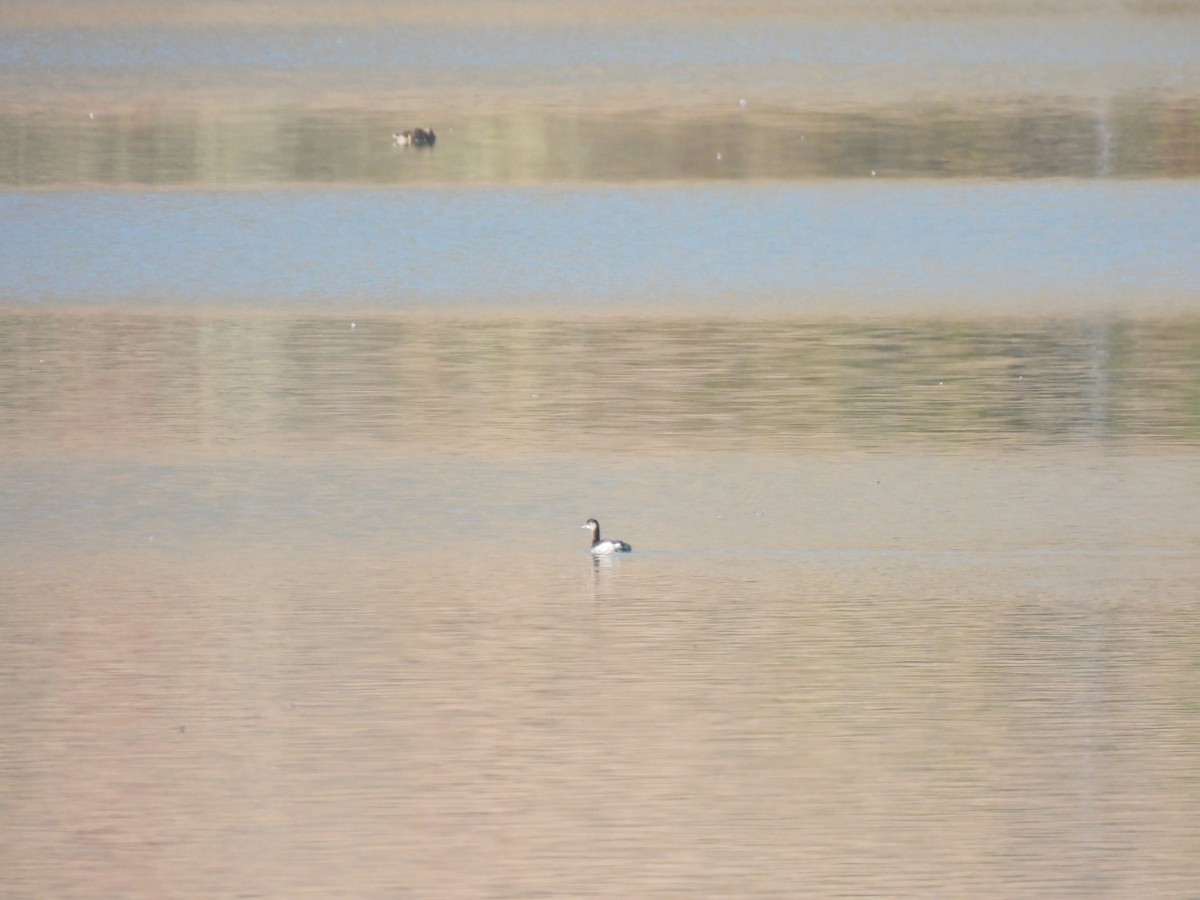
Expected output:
(293, 609)
(294, 597)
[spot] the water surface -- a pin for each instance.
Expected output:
(873, 328)
(298, 608)
(868, 248)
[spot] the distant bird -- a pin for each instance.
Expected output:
(417, 137)
(604, 548)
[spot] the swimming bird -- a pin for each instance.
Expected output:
(604, 548)
(417, 137)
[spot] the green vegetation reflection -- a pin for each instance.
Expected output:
(1136, 136)
(642, 385)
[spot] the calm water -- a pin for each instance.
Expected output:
(838, 247)
(298, 609)
(891, 376)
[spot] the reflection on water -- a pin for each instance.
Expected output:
(1132, 136)
(294, 599)
(337, 725)
(295, 609)
(853, 248)
(119, 380)
(652, 93)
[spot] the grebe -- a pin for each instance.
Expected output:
(418, 137)
(604, 548)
